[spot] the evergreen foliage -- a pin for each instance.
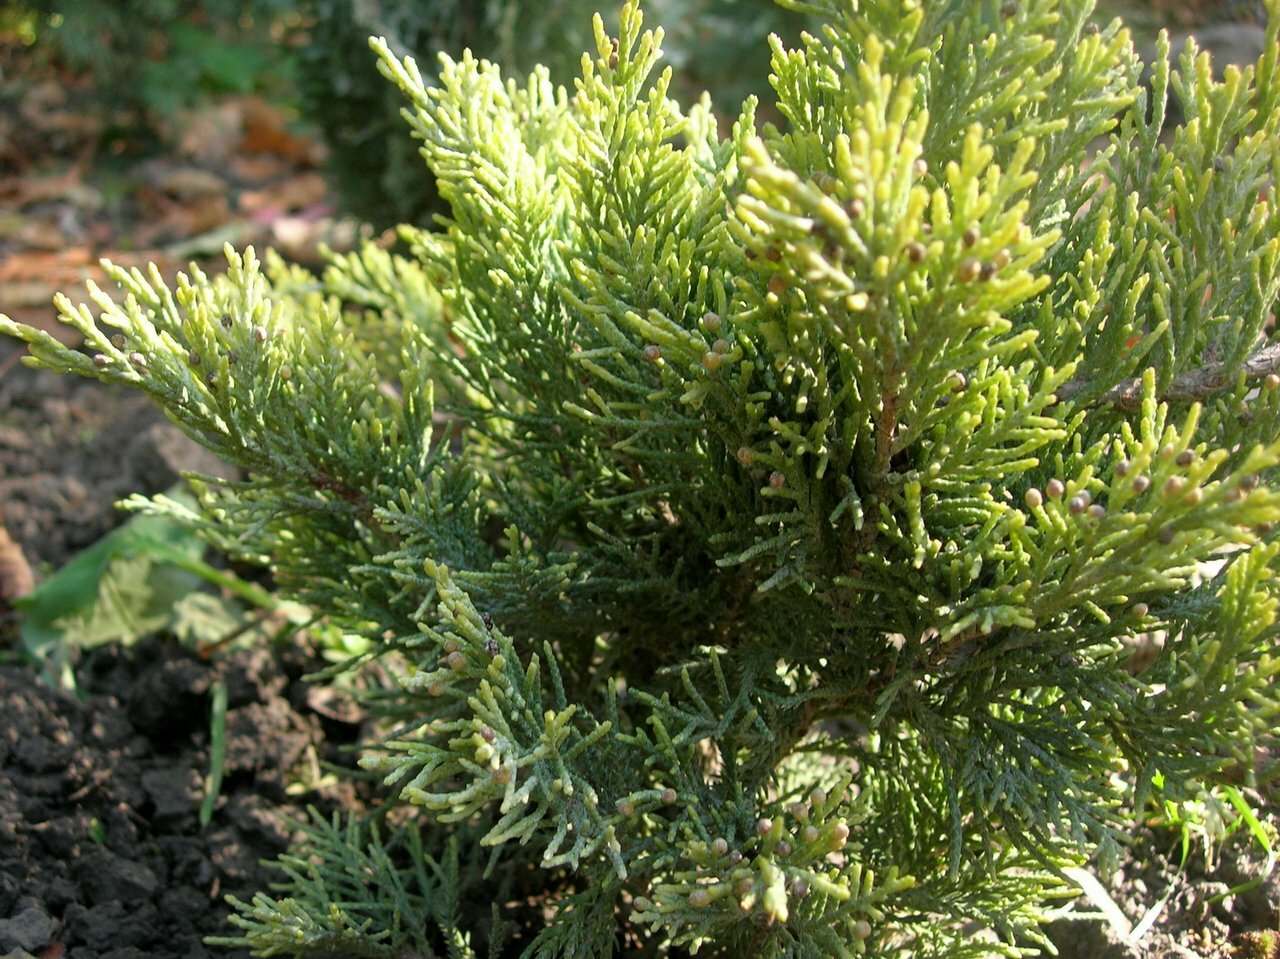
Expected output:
(716, 45)
(756, 524)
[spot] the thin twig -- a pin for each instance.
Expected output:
(1191, 386)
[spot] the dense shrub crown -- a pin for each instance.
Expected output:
(756, 524)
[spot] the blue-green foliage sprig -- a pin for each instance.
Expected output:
(499, 739)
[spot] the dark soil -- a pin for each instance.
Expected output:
(1202, 918)
(70, 449)
(101, 851)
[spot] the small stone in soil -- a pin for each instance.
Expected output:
(30, 929)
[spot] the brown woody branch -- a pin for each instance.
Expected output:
(1191, 386)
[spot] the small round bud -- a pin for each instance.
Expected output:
(226, 321)
(1033, 498)
(1167, 451)
(487, 619)
(260, 334)
(450, 645)
(1194, 496)
(783, 849)
(745, 455)
(811, 833)
(799, 887)
(668, 796)
(959, 382)
(777, 284)
(626, 808)
(502, 775)
(818, 797)
(211, 379)
(1249, 483)
(1091, 29)
(1141, 484)
(286, 373)
(763, 826)
(436, 687)
(745, 885)
(969, 270)
(491, 647)
(711, 322)
(841, 834)
(118, 341)
(1272, 382)
(921, 166)
(1077, 505)
(1002, 258)
(916, 251)
(970, 236)
(232, 357)
(1055, 488)
(1219, 164)
(777, 479)
(487, 734)
(652, 352)
(735, 857)
(711, 361)
(699, 898)
(613, 61)
(772, 254)
(1008, 9)
(720, 346)
(857, 209)
(1140, 610)
(137, 359)
(641, 904)
(720, 846)
(1097, 512)
(1185, 458)
(193, 358)
(1174, 485)
(457, 662)
(988, 271)
(1122, 469)
(800, 811)
(100, 360)
(1165, 535)
(862, 929)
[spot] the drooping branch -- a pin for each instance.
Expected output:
(1191, 386)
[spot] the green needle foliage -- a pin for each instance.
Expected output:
(757, 526)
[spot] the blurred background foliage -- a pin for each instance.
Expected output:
(146, 59)
(149, 57)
